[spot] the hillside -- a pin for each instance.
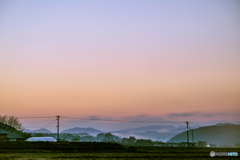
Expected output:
(224, 134)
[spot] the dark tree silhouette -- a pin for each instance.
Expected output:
(12, 121)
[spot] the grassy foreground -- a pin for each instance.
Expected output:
(73, 151)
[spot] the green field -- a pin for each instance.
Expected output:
(72, 151)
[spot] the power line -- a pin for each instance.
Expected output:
(45, 126)
(49, 123)
(39, 127)
(98, 119)
(117, 120)
(36, 117)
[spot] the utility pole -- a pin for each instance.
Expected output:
(57, 128)
(187, 135)
(192, 138)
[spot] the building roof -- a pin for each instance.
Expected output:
(43, 139)
(14, 136)
(11, 135)
(2, 131)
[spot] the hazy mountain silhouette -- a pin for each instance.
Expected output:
(162, 136)
(148, 128)
(219, 134)
(154, 132)
(91, 131)
(157, 128)
(42, 130)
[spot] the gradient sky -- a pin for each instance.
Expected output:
(110, 58)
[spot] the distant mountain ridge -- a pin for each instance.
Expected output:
(148, 128)
(91, 131)
(154, 132)
(42, 130)
(157, 128)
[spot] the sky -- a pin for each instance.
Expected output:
(137, 59)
